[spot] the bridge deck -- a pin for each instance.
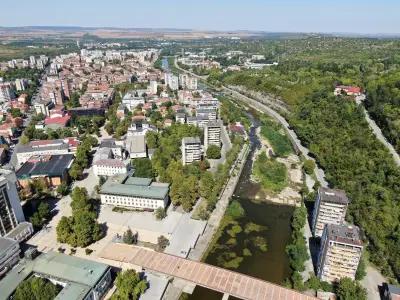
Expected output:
(222, 280)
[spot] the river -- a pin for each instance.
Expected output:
(272, 265)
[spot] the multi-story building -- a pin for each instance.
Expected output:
(180, 118)
(212, 133)
(330, 208)
(340, 253)
(12, 219)
(135, 192)
(153, 87)
(9, 254)
(209, 113)
(132, 99)
(109, 167)
(80, 279)
(6, 92)
(188, 82)
(191, 150)
(45, 147)
(21, 84)
(51, 170)
(171, 81)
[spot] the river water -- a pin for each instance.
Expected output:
(271, 265)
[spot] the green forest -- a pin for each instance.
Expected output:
(334, 128)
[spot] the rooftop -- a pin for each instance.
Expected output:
(333, 196)
(53, 165)
(191, 140)
(5, 244)
(80, 274)
(344, 234)
(136, 144)
(134, 187)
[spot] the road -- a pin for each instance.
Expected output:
(319, 173)
(379, 135)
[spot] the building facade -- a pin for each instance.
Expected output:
(330, 208)
(109, 167)
(134, 192)
(212, 134)
(340, 253)
(9, 254)
(191, 150)
(10, 207)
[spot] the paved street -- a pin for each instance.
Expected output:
(379, 135)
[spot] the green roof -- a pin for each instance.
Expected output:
(80, 274)
(138, 181)
(125, 185)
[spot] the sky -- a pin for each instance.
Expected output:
(351, 16)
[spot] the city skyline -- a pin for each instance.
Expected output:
(364, 17)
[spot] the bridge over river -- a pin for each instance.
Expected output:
(215, 278)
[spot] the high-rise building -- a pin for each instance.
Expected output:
(11, 213)
(212, 133)
(153, 87)
(330, 208)
(6, 92)
(20, 84)
(171, 81)
(32, 60)
(340, 253)
(188, 82)
(191, 150)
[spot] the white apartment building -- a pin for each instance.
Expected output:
(134, 192)
(12, 219)
(180, 118)
(171, 81)
(209, 113)
(340, 253)
(6, 92)
(212, 133)
(191, 150)
(109, 167)
(132, 99)
(153, 87)
(330, 208)
(188, 82)
(20, 84)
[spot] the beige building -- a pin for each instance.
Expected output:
(212, 134)
(340, 253)
(191, 150)
(330, 208)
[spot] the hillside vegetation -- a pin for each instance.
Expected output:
(334, 128)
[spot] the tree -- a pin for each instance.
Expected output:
(160, 213)
(152, 139)
(62, 189)
(76, 171)
(16, 112)
(143, 167)
(24, 139)
(64, 229)
(207, 184)
(128, 237)
(162, 243)
(350, 290)
(85, 228)
(129, 285)
(80, 200)
(361, 272)
(309, 166)
(213, 152)
(36, 288)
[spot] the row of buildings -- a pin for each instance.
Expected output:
(341, 245)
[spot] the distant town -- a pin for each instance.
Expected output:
(124, 169)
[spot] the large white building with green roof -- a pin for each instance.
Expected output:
(134, 192)
(81, 279)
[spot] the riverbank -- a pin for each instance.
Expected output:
(290, 194)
